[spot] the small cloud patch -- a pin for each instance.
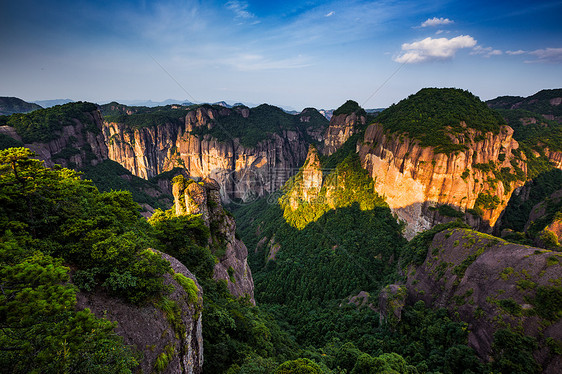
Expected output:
(547, 55)
(485, 51)
(432, 49)
(431, 22)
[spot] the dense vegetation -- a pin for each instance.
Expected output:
(434, 115)
(11, 105)
(110, 176)
(262, 122)
(306, 264)
(148, 117)
(348, 183)
(537, 103)
(235, 332)
(349, 107)
(51, 220)
(44, 125)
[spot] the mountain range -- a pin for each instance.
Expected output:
(424, 237)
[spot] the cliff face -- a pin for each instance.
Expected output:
(341, 128)
(77, 146)
(415, 178)
(242, 172)
(204, 198)
(178, 347)
(307, 188)
(493, 284)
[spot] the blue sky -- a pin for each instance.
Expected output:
(291, 53)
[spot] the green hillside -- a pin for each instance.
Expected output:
(538, 103)
(11, 105)
(44, 125)
(434, 115)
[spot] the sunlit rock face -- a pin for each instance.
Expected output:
(204, 198)
(414, 179)
(341, 128)
(242, 172)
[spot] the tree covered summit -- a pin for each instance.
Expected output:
(433, 115)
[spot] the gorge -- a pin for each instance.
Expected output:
(358, 243)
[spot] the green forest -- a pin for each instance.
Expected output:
(434, 115)
(100, 242)
(320, 268)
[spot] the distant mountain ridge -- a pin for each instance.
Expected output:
(545, 102)
(51, 103)
(11, 105)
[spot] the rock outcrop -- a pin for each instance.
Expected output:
(414, 179)
(392, 300)
(493, 284)
(203, 198)
(341, 128)
(242, 172)
(307, 185)
(78, 145)
(178, 347)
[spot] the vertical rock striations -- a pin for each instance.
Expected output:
(77, 145)
(414, 178)
(204, 198)
(242, 171)
(341, 128)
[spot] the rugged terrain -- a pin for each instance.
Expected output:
(493, 284)
(203, 198)
(170, 341)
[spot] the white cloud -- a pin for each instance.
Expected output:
(550, 55)
(485, 51)
(439, 32)
(430, 22)
(430, 49)
(515, 53)
(330, 14)
(240, 9)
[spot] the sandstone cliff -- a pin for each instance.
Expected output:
(341, 128)
(242, 172)
(203, 198)
(415, 178)
(166, 346)
(494, 284)
(77, 145)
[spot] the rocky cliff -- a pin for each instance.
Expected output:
(242, 171)
(77, 145)
(203, 198)
(414, 178)
(493, 284)
(170, 339)
(341, 127)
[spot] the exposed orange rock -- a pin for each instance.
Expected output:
(241, 172)
(341, 128)
(414, 178)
